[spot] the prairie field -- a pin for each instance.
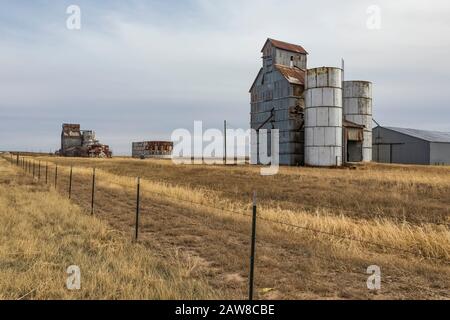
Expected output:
(42, 234)
(318, 230)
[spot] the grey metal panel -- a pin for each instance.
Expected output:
(440, 153)
(323, 117)
(411, 153)
(292, 136)
(283, 57)
(382, 153)
(324, 77)
(355, 151)
(399, 148)
(357, 105)
(290, 147)
(287, 125)
(291, 159)
(358, 89)
(272, 91)
(367, 153)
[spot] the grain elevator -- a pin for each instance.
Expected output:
(322, 119)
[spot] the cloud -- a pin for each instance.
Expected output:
(139, 69)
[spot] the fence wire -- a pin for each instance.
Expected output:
(295, 226)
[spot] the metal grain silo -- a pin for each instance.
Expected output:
(323, 117)
(357, 102)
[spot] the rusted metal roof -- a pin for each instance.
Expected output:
(285, 46)
(71, 130)
(353, 131)
(293, 75)
(155, 142)
(349, 124)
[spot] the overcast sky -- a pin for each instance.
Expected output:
(137, 70)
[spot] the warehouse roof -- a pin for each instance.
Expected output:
(431, 136)
(285, 46)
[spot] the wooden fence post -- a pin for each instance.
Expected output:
(56, 176)
(137, 208)
(70, 182)
(252, 250)
(93, 191)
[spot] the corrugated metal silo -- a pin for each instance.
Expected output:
(323, 117)
(357, 102)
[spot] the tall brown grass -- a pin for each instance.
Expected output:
(366, 204)
(41, 234)
(426, 240)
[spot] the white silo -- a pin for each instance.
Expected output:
(323, 117)
(357, 102)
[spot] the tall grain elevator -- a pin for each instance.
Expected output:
(322, 119)
(277, 98)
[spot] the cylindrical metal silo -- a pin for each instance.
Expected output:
(323, 117)
(357, 102)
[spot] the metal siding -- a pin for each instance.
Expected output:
(283, 57)
(440, 153)
(357, 105)
(275, 96)
(323, 117)
(405, 149)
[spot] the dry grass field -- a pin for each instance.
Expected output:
(42, 234)
(334, 224)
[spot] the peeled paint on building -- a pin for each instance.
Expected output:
(70, 136)
(277, 97)
(152, 149)
(339, 129)
(323, 117)
(81, 143)
(357, 103)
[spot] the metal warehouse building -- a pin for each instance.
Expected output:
(411, 146)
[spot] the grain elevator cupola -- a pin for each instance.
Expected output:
(282, 53)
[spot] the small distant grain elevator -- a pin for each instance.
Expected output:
(322, 119)
(81, 143)
(152, 149)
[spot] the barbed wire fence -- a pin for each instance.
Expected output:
(34, 167)
(42, 173)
